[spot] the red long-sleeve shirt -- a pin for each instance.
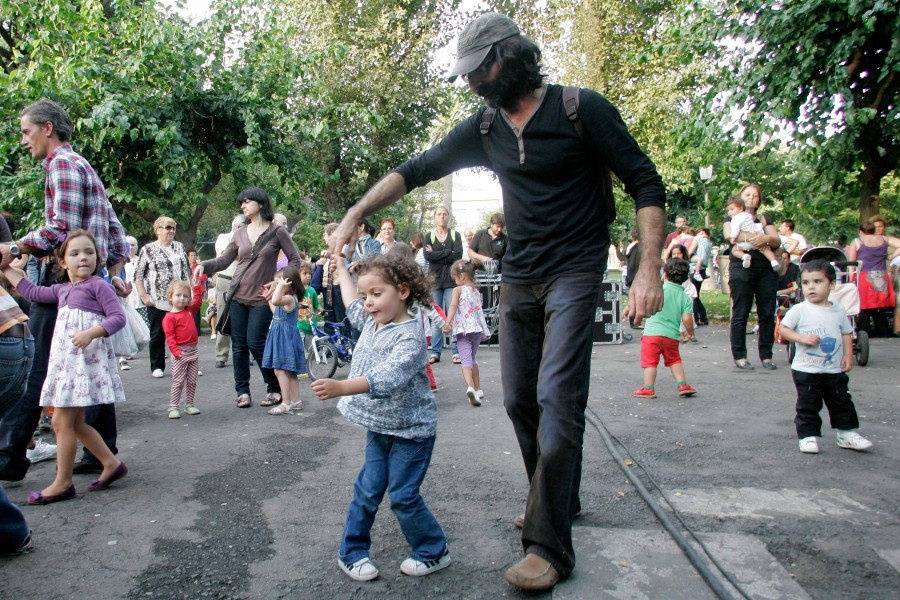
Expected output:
(179, 326)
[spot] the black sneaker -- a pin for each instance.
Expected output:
(86, 466)
(27, 545)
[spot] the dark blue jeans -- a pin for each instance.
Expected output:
(16, 355)
(545, 364)
(442, 297)
(17, 427)
(759, 281)
(398, 466)
(249, 329)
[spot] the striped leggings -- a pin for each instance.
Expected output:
(184, 375)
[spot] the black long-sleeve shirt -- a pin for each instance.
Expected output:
(555, 185)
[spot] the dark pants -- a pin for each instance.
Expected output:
(815, 388)
(879, 319)
(249, 329)
(545, 362)
(157, 338)
(17, 427)
(16, 356)
(335, 311)
(699, 309)
(759, 281)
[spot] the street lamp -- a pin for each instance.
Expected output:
(706, 174)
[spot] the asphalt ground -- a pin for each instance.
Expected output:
(236, 503)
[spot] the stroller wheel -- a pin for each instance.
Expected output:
(861, 348)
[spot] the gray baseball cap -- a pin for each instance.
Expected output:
(476, 41)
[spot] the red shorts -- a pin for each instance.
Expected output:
(653, 346)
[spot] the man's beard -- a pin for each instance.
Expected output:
(499, 93)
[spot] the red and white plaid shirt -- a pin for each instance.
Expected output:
(74, 198)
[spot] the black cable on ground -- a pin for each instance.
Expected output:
(678, 516)
(692, 555)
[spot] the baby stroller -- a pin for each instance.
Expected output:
(844, 293)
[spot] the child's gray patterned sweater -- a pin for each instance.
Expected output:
(400, 401)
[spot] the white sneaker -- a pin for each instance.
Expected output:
(212, 336)
(809, 445)
(41, 451)
(480, 394)
(851, 439)
(199, 373)
(361, 570)
(123, 365)
(418, 568)
(473, 397)
(158, 373)
(745, 261)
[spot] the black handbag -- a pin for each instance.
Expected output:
(223, 324)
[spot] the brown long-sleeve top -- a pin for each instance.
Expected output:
(263, 269)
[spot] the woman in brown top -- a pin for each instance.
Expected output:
(249, 314)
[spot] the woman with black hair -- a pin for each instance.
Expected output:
(255, 246)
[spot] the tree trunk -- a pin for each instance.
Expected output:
(869, 200)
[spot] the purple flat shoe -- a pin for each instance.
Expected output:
(38, 498)
(120, 472)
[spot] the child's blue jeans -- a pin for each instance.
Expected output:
(398, 466)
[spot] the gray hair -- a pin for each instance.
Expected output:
(238, 221)
(44, 111)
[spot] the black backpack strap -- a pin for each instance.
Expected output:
(487, 118)
(570, 101)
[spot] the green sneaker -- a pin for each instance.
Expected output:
(190, 409)
(174, 414)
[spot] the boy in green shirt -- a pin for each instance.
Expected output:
(309, 304)
(662, 331)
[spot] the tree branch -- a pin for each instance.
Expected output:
(881, 91)
(857, 59)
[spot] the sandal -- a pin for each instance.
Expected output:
(243, 401)
(281, 409)
(434, 359)
(298, 405)
(456, 359)
(272, 399)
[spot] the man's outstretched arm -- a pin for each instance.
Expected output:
(388, 190)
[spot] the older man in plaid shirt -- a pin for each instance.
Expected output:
(74, 198)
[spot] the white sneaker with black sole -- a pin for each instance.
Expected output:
(158, 373)
(361, 570)
(41, 451)
(418, 568)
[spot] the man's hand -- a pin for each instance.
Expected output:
(5, 256)
(344, 236)
(646, 296)
(198, 273)
(123, 290)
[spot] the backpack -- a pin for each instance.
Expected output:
(432, 236)
(571, 95)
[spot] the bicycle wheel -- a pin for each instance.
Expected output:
(321, 361)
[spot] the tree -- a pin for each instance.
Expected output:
(163, 108)
(828, 87)
(376, 99)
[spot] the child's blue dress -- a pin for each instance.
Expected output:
(284, 346)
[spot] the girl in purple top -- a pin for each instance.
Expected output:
(82, 368)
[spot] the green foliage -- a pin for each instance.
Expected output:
(162, 108)
(825, 88)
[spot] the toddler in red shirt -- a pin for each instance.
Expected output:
(181, 336)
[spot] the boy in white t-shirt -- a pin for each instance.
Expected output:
(822, 333)
(741, 220)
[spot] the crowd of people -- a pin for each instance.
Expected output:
(401, 300)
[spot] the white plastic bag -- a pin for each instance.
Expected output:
(139, 330)
(123, 342)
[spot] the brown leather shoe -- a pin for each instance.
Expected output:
(520, 520)
(532, 573)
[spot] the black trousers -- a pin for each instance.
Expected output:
(759, 281)
(814, 389)
(157, 338)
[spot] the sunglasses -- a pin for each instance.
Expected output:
(167, 227)
(480, 70)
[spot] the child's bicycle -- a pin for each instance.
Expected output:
(325, 353)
